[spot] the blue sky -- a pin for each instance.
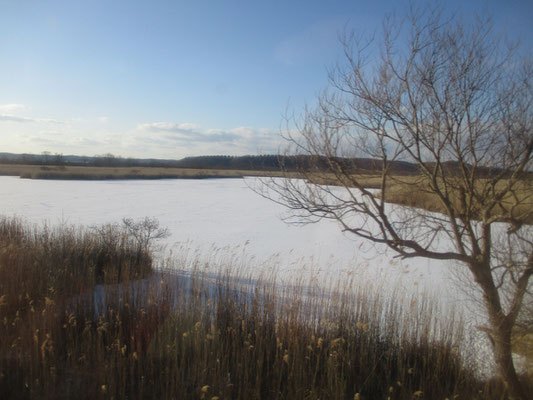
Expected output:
(170, 79)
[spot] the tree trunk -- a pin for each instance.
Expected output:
(504, 362)
(500, 329)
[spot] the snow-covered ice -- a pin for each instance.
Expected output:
(215, 212)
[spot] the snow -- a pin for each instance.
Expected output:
(223, 213)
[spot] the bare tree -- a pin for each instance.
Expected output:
(145, 231)
(454, 102)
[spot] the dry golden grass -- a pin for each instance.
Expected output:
(412, 191)
(211, 335)
(370, 181)
(523, 345)
(101, 173)
(16, 169)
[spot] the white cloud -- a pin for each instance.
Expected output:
(168, 127)
(103, 119)
(189, 126)
(48, 121)
(12, 118)
(245, 132)
(11, 113)
(163, 139)
(11, 109)
(194, 139)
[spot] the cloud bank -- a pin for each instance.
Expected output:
(10, 109)
(10, 113)
(23, 132)
(191, 138)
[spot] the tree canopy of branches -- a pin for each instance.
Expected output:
(456, 102)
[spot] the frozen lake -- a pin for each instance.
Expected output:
(220, 213)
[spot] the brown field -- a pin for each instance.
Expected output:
(98, 173)
(411, 190)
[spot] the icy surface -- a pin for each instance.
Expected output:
(221, 213)
(213, 212)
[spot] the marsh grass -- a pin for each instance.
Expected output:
(212, 332)
(518, 202)
(412, 190)
(108, 173)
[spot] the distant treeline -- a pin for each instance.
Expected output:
(268, 162)
(251, 162)
(248, 162)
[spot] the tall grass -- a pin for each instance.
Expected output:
(518, 201)
(107, 173)
(400, 189)
(201, 335)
